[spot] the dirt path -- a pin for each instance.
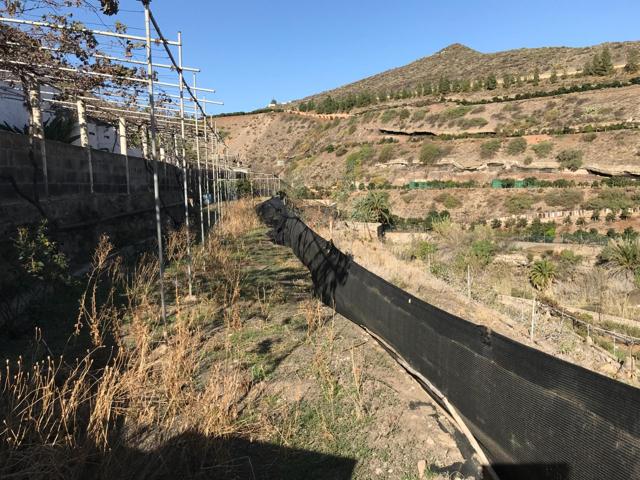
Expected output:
(325, 390)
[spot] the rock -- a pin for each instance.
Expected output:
(589, 341)
(422, 466)
(378, 471)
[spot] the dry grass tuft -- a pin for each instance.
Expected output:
(134, 390)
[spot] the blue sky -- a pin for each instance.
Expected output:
(252, 51)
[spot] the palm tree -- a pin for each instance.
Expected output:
(542, 273)
(622, 256)
(374, 207)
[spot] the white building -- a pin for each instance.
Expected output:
(14, 114)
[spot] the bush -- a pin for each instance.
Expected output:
(388, 115)
(570, 159)
(386, 153)
(423, 250)
(490, 148)
(496, 223)
(612, 199)
(542, 149)
(449, 201)
(483, 251)
(519, 203)
(418, 115)
(516, 146)
(430, 153)
(563, 198)
(589, 137)
(404, 114)
(528, 160)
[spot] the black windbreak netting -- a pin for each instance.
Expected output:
(538, 417)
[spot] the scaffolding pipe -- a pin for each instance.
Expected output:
(184, 169)
(199, 175)
(84, 138)
(156, 186)
(124, 150)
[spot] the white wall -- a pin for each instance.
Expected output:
(14, 111)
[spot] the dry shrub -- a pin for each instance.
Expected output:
(123, 401)
(240, 217)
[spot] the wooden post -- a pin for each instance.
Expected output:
(37, 132)
(122, 134)
(84, 138)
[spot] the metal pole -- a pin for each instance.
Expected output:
(199, 175)
(206, 166)
(156, 186)
(37, 131)
(184, 168)
(214, 179)
(84, 139)
(533, 318)
(124, 150)
(217, 166)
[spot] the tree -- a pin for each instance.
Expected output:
(374, 207)
(491, 82)
(622, 256)
(430, 153)
(570, 159)
(444, 85)
(542, 273)
(632, 65)
(554, 76)
(489, 148)
(516, 146)
(536, 77)
(605, 65)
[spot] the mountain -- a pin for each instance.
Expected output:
(459, 62)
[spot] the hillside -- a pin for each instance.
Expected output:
(460, 62)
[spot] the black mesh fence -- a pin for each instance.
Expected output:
(537, 417)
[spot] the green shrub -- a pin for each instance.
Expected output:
(475, 122)
(516, 146)
(423, 250)
(386, 153)
(570, 159)
(520, 203)
(542, 149)
(454, 113)
(589, 137)
(404, 114)
(430, 153)
(483, 251)
(352, 129)
(490, 148)
(564, 198)
(388, 115)
(612, 199)
(449, 201)
(418, 115)
(528, 160)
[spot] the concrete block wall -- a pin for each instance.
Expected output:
(70, 199)
(68, 170)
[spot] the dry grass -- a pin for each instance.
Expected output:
(100, 415)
